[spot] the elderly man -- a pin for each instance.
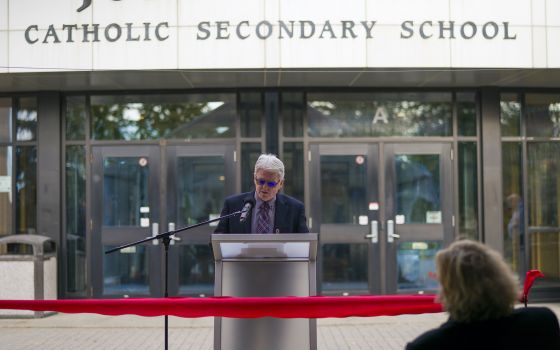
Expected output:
(272, 212)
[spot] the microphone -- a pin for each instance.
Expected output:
(249, 203)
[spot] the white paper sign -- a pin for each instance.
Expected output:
(5, 184)
(363, 220)
(144, 210)
(433, 217)
(399, 219)
(144, 222)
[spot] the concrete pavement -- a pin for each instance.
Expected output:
(90, 331)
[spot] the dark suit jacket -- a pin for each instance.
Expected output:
(526, 328)
(289, 215)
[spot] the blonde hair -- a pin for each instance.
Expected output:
(476, 283)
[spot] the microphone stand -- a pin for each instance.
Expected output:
(166, 239)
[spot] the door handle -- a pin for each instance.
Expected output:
(155, 232)
(391, 235)
(171, 227)
(374, 235)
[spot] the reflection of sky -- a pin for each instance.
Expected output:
(210, 106)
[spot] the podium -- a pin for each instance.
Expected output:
(265, 265)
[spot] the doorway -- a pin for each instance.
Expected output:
(382, 210)
(143, 190)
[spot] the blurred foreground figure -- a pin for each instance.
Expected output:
(479, 291)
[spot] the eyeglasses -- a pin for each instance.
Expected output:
(270, 184)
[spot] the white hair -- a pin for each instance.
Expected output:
(269, 162)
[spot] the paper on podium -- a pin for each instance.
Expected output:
(250, 250)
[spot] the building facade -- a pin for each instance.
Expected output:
(403, 126)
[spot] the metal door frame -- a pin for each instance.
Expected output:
(353, 233)
(389, 250)
(129, 234)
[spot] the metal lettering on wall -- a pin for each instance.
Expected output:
(301, 29)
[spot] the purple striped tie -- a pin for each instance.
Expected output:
(263, 220)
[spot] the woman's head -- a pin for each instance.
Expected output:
(476, 283)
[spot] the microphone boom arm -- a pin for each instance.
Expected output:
(168, 234)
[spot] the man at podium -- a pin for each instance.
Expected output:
(265, 210)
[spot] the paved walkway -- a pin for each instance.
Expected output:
(90, 331)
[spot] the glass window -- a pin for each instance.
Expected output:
(251, 111)
(544, 184)
(343, 189)
(544, 210)
(5, 190)
(418, 187)
(293, 162)
(145, 117)
(250, 152)
(125, 190)
(468, 189)
(466, 113)
(292, 110)
(75, 118)
(26, 123)
(510, 115)
(345, 267)
(126, 272)
(76, 219)
(384, 114)
(416, 265)
(201, 188)
(543, 115)
(513, 207)
(196, 270)
(26, 189)
(5, 119)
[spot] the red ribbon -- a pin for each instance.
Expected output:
(530, 278)
(279, 307)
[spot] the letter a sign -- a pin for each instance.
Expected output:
(381, 115)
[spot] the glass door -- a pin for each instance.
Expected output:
(418, 213)
(344, 210)
(125, 208)
(199, 177)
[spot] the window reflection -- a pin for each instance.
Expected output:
(26, 122)
(510, 116)
(250, 152)
(75, 117)
(343, 188)
(196, 270)
(544, 208)
(543, 115)
(344, 267)
(26, 189)
(126, 272)
(293, 160)
(418, 188)
(513, 209)
(125, 191)
(386, 114)
(163, 116)
(468, 190)
(466, 114)
(76, 219)
(416, 265)
(201, 188)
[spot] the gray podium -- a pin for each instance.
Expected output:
(265, 265)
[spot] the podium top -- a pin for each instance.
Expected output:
(258, 247)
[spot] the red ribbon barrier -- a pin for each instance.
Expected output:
(530, 278)
(279, 307)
